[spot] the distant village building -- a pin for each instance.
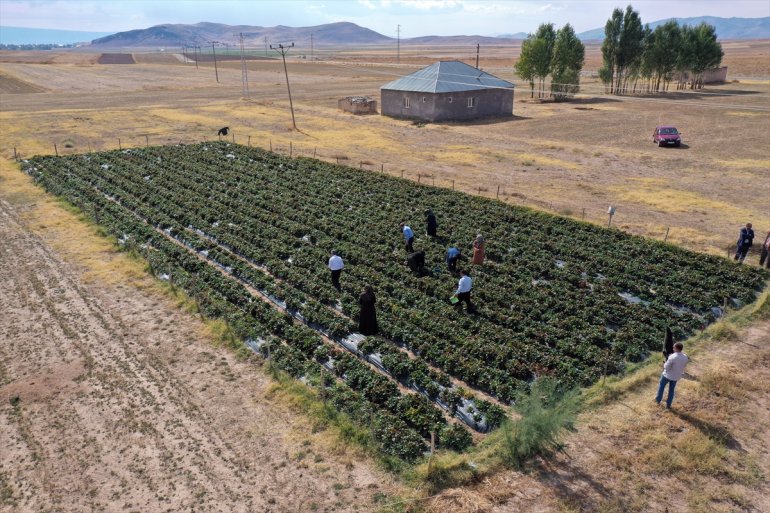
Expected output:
(447, 91)
(358, 105)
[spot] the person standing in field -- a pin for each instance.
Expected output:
(463, 293)
(673, 370)
(764, 255)
(335, 266)
(408, 237)
(478, 250)
(452, 256)
(430, 223)
(745, 240)
(367, 322)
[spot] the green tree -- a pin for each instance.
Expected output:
(542, 53)
(525, 67)
(566, 63)
(611, 49)
(706, 52)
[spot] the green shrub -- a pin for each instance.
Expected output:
(545, 413)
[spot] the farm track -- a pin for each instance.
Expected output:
(113, 386)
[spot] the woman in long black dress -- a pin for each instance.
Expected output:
(367, 323)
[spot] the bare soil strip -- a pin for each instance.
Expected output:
(111, 400)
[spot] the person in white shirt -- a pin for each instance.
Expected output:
(673, 370)
(463, 293)
(336, 265)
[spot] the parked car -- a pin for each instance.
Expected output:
(666, 136)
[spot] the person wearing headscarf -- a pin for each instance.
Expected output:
(367, 322)
(478, 250)
(430, 223)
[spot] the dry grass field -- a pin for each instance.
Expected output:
(125, 404)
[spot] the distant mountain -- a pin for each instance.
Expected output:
(35, 36)
(517, 35)
(203, 33)
(727, 28)
(458, 40)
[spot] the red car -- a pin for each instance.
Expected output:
(666, 136)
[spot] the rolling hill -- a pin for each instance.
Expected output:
(727, 28)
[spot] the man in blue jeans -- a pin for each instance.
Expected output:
(673, 370)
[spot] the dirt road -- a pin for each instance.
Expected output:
(111, 399)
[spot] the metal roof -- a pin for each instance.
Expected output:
(447, 77)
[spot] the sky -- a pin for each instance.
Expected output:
(416, 17)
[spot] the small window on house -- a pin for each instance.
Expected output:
(424, 99)
(450, 99)
(472, 102)
(406, 103)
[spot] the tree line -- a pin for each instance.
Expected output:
(558, 53)
(639, 59)
(635, 57)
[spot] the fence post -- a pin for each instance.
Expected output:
(584, 214)
(479, 190)
(418, 177)
(382, 168)
(314, 149)
(291, 149)
(14, 154)
(233, 137)
(56, 149)
(402, 173)
(271, 144)
(666, 237)
(497, 196)
(89, 146)
(434, 180)
(453, 185)
(146, 140)
(120, 146)
(249, 143)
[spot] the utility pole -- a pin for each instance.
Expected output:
(265, 46)
(311, 46)
(244, 72)
(477, 56)
(197, 51)
(398, 44)
(282, 50)
(213, 51)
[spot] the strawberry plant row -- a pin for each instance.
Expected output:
(555, 296)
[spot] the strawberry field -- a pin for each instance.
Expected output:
(247, 233)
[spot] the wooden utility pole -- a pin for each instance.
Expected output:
(311, 46)
(477, 55)
(214, 52)
(282, 50)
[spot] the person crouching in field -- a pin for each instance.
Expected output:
(745, 240)
(430, 223)
(764, 255)
(673, 370)
(478, 250)
(416, 262)
(408, 237)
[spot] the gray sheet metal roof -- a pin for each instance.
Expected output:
(447, 77)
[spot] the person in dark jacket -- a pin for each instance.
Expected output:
(668, 344)
(764, 255)
(430, 223)
(367, 323)
(452, 256)
(745, 240)
(416, 262)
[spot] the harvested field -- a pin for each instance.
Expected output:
(12, 85)
(116, 58)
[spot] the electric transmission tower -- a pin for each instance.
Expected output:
(244, 71)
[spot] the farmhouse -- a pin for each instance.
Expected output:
(447, 91)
